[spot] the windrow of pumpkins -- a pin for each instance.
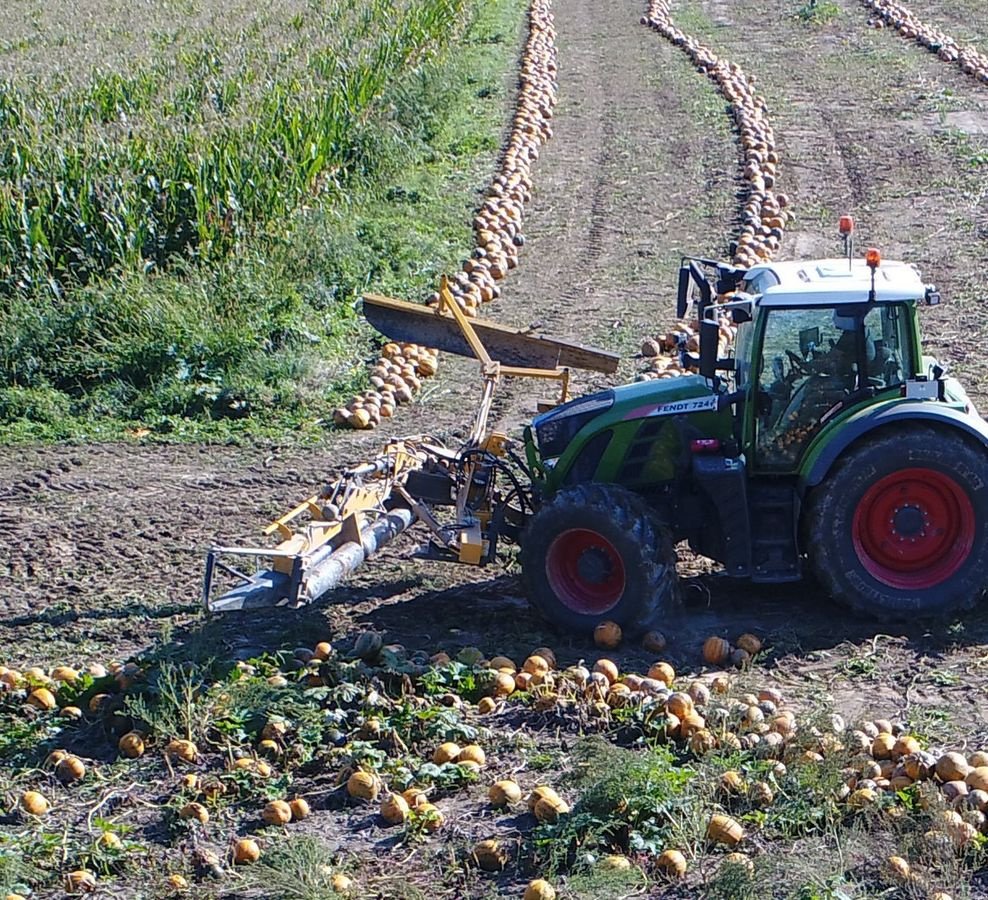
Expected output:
(969, 60)
(497, 228)
(765, 213)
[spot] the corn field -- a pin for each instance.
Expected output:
(187, 138)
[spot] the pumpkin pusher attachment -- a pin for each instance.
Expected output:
(327, 536)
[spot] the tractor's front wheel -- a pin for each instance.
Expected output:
(900, 526)
(596, 552)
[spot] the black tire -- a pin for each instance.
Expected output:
(900, 525)
(596, 552)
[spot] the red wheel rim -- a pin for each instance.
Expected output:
(914, 529)
(585, 571)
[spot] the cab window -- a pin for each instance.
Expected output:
(809, 368)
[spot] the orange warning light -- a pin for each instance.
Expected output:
(873, 258)
(846, 225)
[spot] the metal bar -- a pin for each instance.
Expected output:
(253, 551)
(522, 372)
(403, 321)
(281, 524)
(476, 344)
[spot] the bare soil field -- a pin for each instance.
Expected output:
(101, 546)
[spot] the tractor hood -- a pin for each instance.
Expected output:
(629, 435)
(557, 429)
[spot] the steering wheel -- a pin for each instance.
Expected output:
(799, 366)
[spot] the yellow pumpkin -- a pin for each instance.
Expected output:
(486, 705)
(184, 750)
(70, 769)
(194, 811)
(42, 698)
(490, 855)
(432, 819)
(503, 793)
(445, 753)
(761, 794)
(662, 671)
(414, 796)
(881, 746)
(363, 785)
(131, 744)
(750, 643)
(607, 668)
(548, 811)
(952, 767)
(724, 830)
(66, 674)
(546, 653)
(395, 809)
(81, 881)
(671, 863)
(504, 685)
(472, 753)
(905, 745)
(34, 803)
(977, 778)
(680, 704)
(542, 792)
(540, 889)
(503, 663)
(536, 665)
(299, 807)
(732, 782)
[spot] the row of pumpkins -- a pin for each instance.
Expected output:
(970, 61)
(765, 213)
(395, 377)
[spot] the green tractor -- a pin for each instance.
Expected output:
(825, 443)
(822, 442)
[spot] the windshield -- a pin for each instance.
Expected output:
(811, 365)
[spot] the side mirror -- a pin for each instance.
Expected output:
(683, 293)
(932, 296)
(709, 336)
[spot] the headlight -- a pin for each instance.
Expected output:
(559, 426)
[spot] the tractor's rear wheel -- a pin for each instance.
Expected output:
(900, 526)
(596, 552)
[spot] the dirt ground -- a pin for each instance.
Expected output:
(101, 547)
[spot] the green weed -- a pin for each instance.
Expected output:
(298, 869)
(818, 12)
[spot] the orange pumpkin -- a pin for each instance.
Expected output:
(654, 642)
(607, 635)
(716, 651)
(749, 642)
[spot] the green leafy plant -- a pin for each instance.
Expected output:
(818, 12)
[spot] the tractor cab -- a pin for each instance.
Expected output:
(813, 340)
(823, 337)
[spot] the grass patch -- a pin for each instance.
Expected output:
(265, 340)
